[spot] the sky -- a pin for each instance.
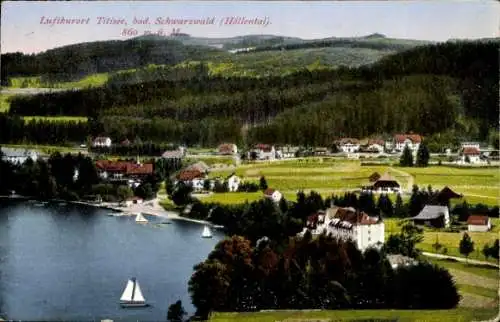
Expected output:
(25, 28)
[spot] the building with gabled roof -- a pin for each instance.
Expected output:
(433, 215)
(478, 223)
(348, 224)
(227, 149)
(273, 194)
(411, 140)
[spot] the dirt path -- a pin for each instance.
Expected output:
(460, 259)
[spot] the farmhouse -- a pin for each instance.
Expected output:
(174, 156)
(478, 223)
(348, 223)
(432, 215)
(444, 196)
(273, 194)
(199, 166)
(411, 140)
(18, 156)
(227, 149)
(385, 184)
(233, 182)
(264, 152)
(375, 146)
(286, 152)
(348, 145)
(121, 170)
(101, 141)
(193, 177)
(470, 155)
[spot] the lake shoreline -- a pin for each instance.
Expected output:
(127, 211)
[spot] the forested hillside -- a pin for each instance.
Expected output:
(444, 91)
(71, 63)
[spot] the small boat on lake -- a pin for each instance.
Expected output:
(132, 295)
(140, 218)
(206, 232)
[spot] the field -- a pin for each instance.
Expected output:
(4, 103)
(93, 80)
(328, 176)
(55, 118)
(455, 315)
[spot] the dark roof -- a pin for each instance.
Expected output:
(226, 148)
(446, 194)
(477, 220)
(431, 212)
(374, 177)
(187, 175)
(125, 167)
(352, 216)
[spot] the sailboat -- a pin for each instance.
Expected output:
(132, 295)
(140, 218)
(206, 233)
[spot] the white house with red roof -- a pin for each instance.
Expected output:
(273, 194)
(348, 145)
(478, 223)
(227, 149)
(264, 151)
(348, 224)
(470, 155)
(411, 140)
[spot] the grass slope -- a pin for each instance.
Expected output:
(455, 315)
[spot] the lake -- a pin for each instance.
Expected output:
(72, 262)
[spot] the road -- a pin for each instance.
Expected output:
(460, 259)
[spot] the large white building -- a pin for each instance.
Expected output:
(348, 145)
(411, 140)
(348, 224)
(18, 156)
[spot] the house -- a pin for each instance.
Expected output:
(18, 156)
(432, 215)
(349, 224)
(444, 196)
(199, 166)
(174, 156)
(398, 260)
(192, 177)
(273, 194)
(227, 149)
(264, 152)
(123, 170)
(384, 184)
(411, 140)
(233, 182)
(286, 152)
(375, 146)
(101, 141)
(478, 223)
(320, 151)
(348, 145)
(470, 155)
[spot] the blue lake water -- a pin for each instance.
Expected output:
(72, 262)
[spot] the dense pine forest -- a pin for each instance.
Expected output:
(443, 91)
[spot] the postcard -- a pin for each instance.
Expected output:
(249, 160)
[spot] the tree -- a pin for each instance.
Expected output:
(491, 251)
(422, 156)
(406, 159)
(169, 186)
(124, 192)
(182, 194)
(176, 312)
(399, 208)
(466, 245)
(206, 184)
(384, 205)
(405, 242)
(263, 183)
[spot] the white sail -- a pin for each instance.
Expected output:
(206, 232)
(140, 218)
(127, 293)
(138, 297)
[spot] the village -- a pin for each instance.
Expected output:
(232, 176)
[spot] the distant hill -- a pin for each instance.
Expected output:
(72, 62)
